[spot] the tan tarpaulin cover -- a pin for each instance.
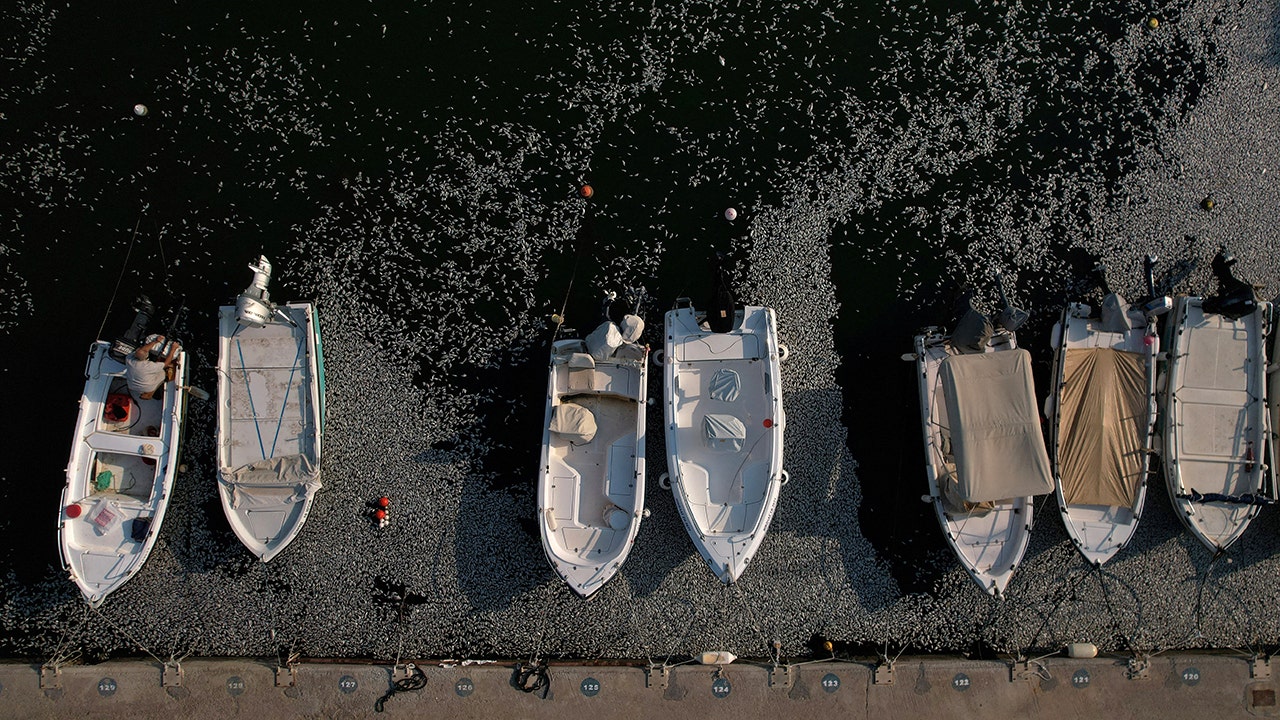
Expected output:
(574, 423)
(995, 426)
(1101, 426)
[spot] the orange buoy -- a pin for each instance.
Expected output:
(73, 511)
(384, 502)
(379, 515)
(586, 191)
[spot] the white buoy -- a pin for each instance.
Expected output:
(139, 109)
(730, 214)
(717, 657)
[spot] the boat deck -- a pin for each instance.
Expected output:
(268, 405)
(1215, 433)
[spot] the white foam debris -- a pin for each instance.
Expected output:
(438, 235)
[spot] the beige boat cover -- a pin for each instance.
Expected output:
(995, 426)
(574, 423)
(1101, 426)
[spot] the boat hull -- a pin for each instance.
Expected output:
(724, 433)
(1214, 418)
(119, 477)
(1098, 530)
(591, 489)
(270, 426)
(990, 544)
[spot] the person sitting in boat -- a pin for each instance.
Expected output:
(146, 376)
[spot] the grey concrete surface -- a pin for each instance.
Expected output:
(1174, 687)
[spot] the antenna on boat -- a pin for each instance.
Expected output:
(724, 306)
(1153, 305)
(1100, 271)
(1011, 318)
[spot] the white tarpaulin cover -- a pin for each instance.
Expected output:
(1101, 426)
(603, 341)
(574, 423)
(724, 432)
(632, 328)
(995, 426)
(725, 385)
(262, 483)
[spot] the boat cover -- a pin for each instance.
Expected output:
(1101, 426)
(574, 423)
(604, 340)
(725, 432)
(1115, 314)
(995, 428)
(972, 332)
(291, 471)
(725, 385)
(632, 328)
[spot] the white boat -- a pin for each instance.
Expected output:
(985, 457)
(270, 415)
(724, 430)
(1102, 419)
(1215, 418)
(1273, 402)
(120, 475)
(591, 483)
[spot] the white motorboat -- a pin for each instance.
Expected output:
(591, 483)
(270, 415)
(120, 475)
(1273, 402)
(985, 456)
(724, 429)
(1215, 417)
(1102, 417)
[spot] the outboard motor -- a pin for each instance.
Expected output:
(1235, 297)
(254, 307)
(133, 338)
(723, 307)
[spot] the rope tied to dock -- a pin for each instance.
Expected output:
(416, 681)
(533, 677)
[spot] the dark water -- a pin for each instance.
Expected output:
(422, 161)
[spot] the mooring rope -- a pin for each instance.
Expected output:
(131, 638)
(416, 681)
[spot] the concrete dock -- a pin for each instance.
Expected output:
(1169, 686)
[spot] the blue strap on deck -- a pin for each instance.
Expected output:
(288, 386)
(249, 391)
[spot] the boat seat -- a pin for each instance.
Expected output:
(582, 372)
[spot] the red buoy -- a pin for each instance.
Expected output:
(73, 511)
(379, 515)
(587, 191)
(768, 422)
(384, 502)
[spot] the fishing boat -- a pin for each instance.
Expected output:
(270, 415)
(591, 483)
(724, 426)
(1215, 417)
(123, 460)
(985, 457)
(1102, 415)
